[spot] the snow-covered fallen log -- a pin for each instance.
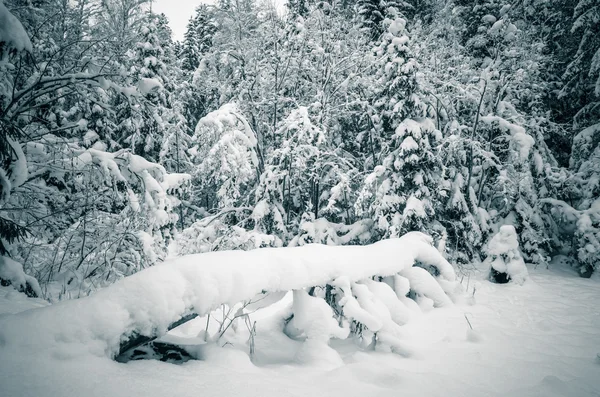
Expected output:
(149, 302)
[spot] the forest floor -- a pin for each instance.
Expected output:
(539, 339)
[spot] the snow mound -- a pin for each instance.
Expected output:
(147, 302)
(147, 86)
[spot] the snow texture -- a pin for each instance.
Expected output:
(147, 85)
(424, 284)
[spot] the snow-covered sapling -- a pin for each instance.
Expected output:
(504, 257)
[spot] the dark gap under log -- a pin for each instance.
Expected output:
(136, 340)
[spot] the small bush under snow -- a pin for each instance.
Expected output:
(11, 273)
(505, 258)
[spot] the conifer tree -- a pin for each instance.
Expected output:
(401, 193)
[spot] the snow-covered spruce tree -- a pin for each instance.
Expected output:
(483, 21)
(226, 171)
(198, 37)
(494, 124)
(579, 96)
(464, 234)
(195, 101)
(587, 237)
(291, 182)
(372, 14)
(504, 257)
(578, 219)
(147, 112)
(513, 194)
(401, 194)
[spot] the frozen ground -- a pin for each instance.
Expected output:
(539, 339)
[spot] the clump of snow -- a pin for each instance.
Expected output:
(397, 26)
(324, 232)
(362, 305)
(504, 255)
(12, 32)
(17, 170)
(12, 272)
(424, 284)
(489, 18)
(147, 85)
(521, 141)
(399, 313)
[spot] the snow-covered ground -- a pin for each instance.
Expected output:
(538, 339)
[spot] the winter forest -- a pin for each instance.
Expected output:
(315, 183)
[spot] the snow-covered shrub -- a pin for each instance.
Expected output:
(324, 232)
(114, 216)
(504, 257)
(11, 273)
(221, 232)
